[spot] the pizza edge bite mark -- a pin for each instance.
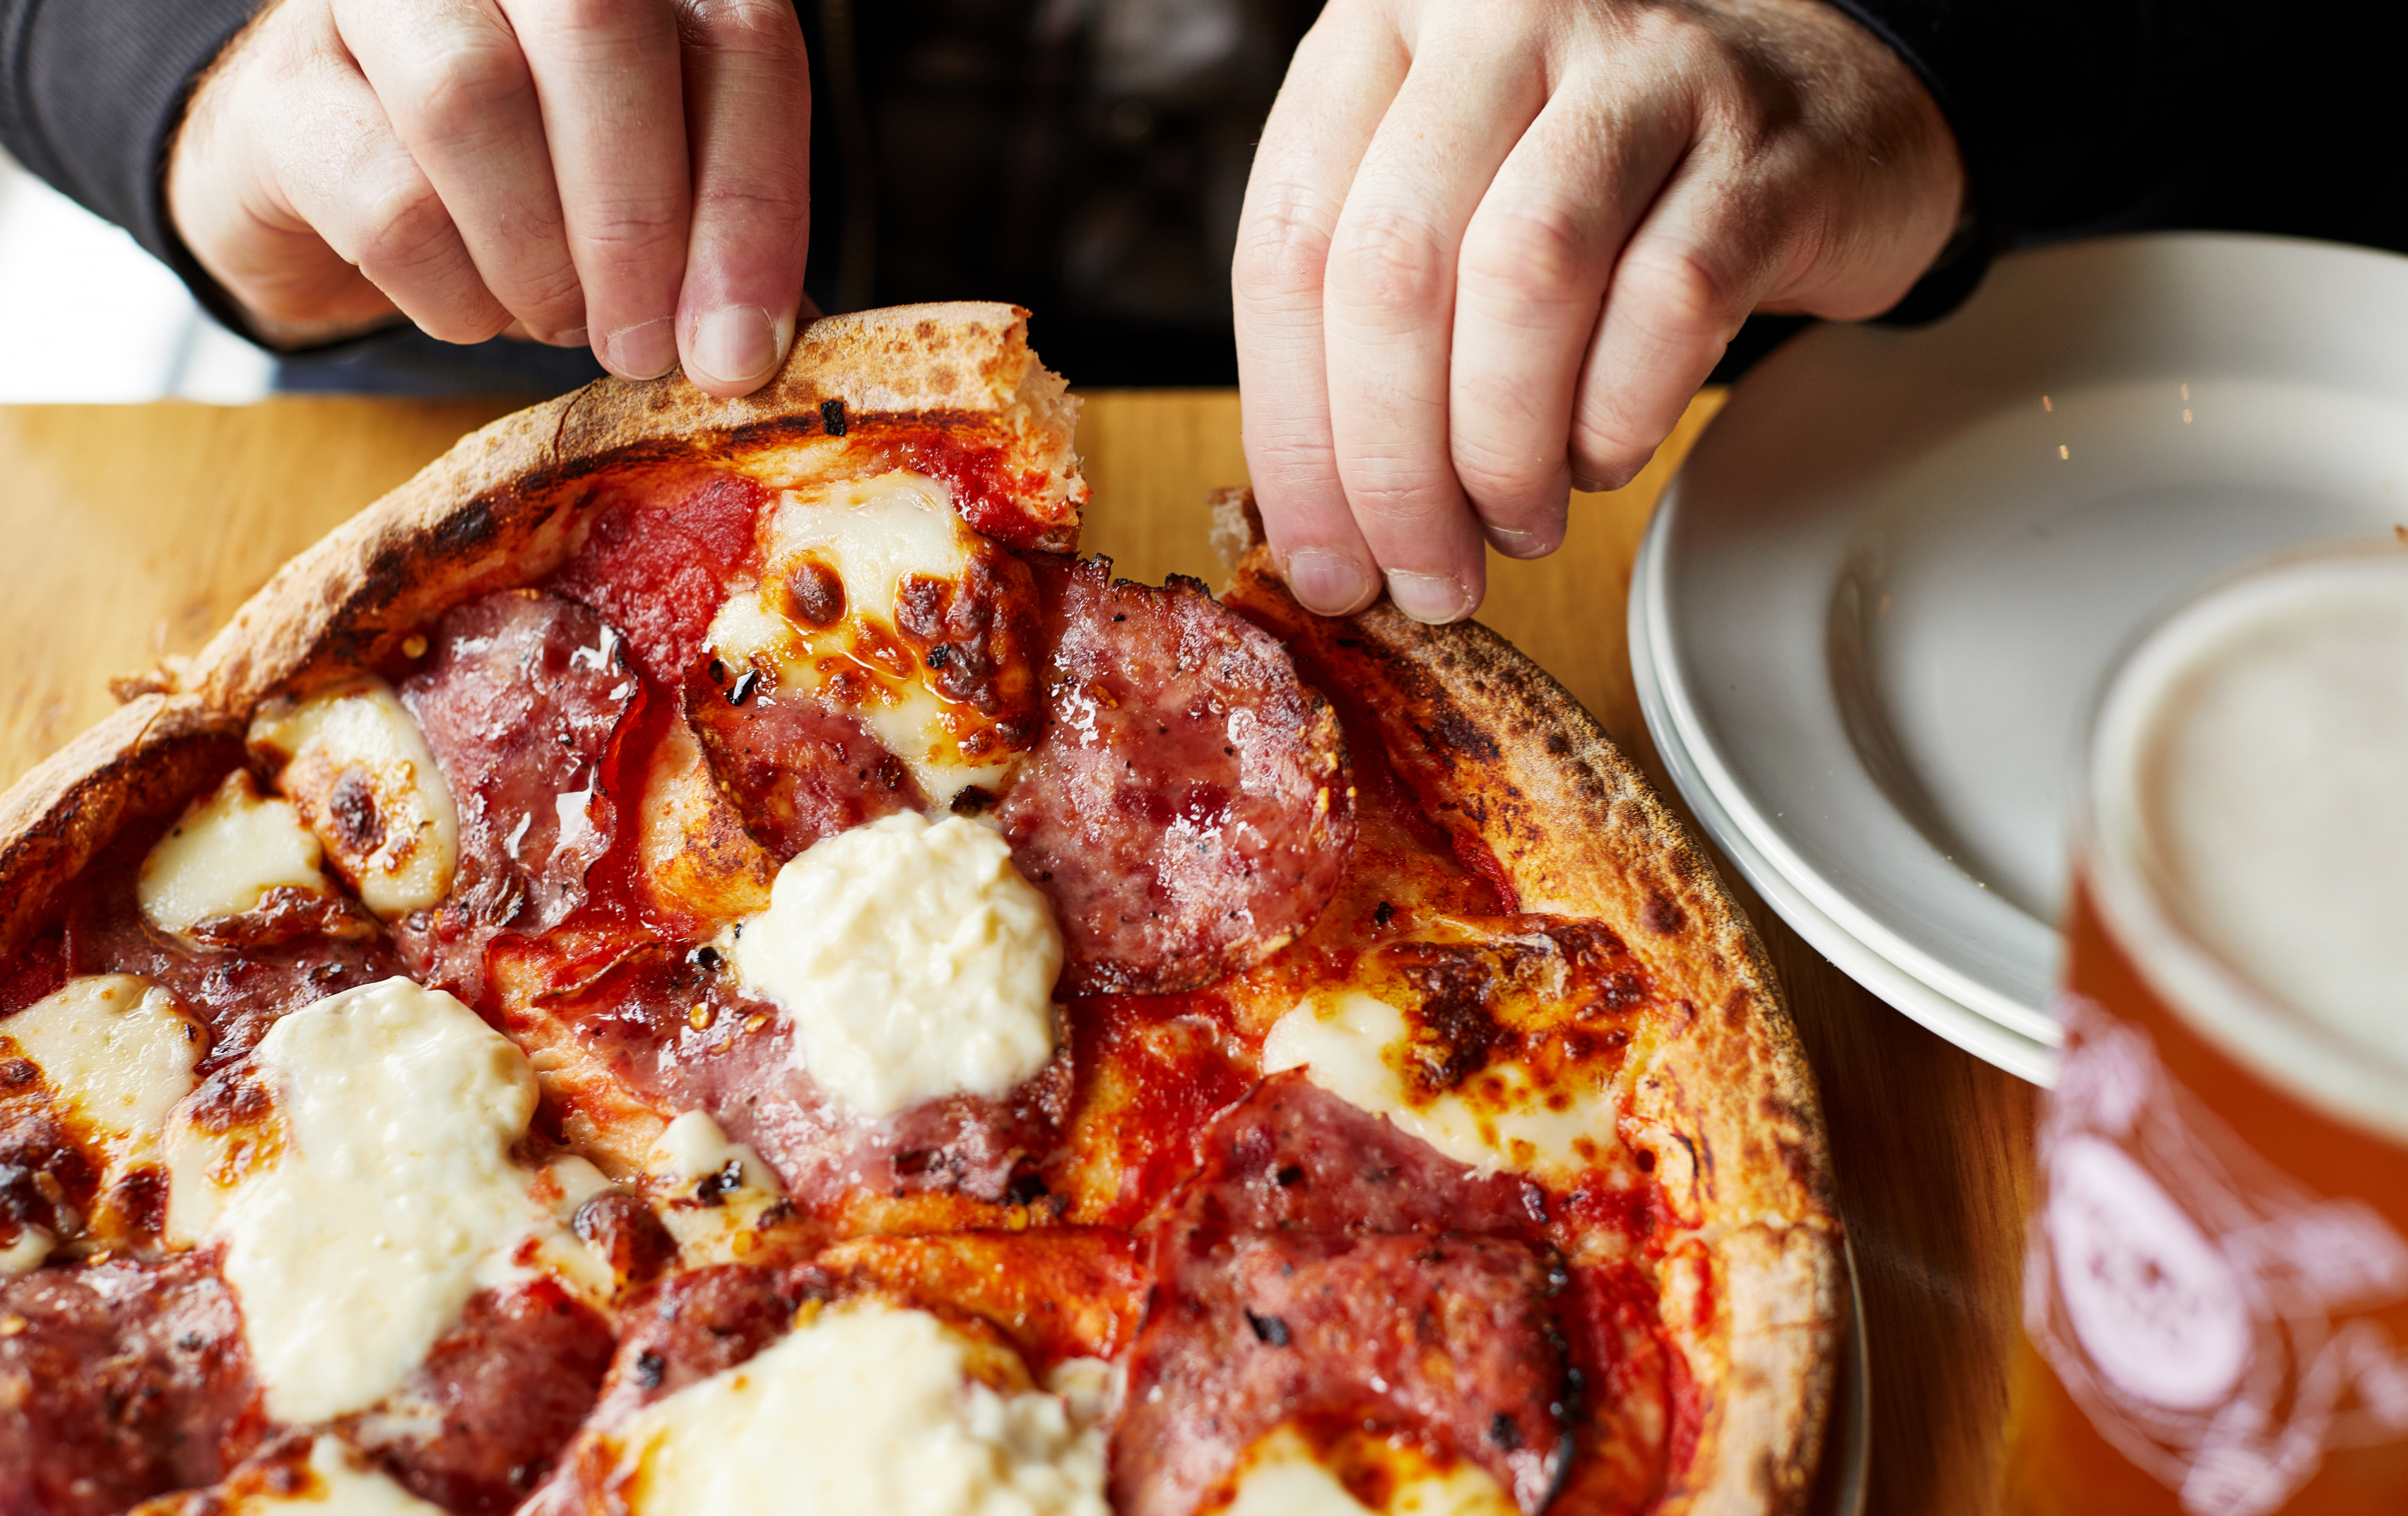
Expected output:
(1498, 749)
(1493, 746)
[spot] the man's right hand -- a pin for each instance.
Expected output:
(631, 174)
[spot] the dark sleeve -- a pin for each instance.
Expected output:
(2091, 117)
(2050, 102)
(90, 92)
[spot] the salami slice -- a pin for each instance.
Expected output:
(672, 1026)
(1187, 810)
(1323, 1265)
(520, 699)
(120, 1380)
(497, 1398)
(796, 770)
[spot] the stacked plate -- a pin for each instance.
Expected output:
(1871, 612)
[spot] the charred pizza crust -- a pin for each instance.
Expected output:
(1726, 1112)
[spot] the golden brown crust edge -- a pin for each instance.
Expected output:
(1579, 832)
(491, 512)
(141, 762)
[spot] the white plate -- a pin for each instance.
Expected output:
(1869, 616)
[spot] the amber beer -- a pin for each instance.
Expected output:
(2216, 1272)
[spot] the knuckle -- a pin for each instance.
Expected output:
(1540, 254)
(1499, 476)
(457, 89)
(1284, 245)
(1677, 295)
(1384, 259)
(633, 226)
(403, 229)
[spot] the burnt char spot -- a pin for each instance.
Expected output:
(714, 1189)
(1663, 917)
(45, 1178)
(832, 416)
(1503, 1432)
(624, 1230)
(814, 594)
(650, 1368)
(1268, 1330)
(1383, 914)
(1618, 990)
(140, 1197)
(1460, 735)
(972, 800)
(1458, 1032)
(1586, 946)
(353, 809)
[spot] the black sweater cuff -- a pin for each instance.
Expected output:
(2045, 98)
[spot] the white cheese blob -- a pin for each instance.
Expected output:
(230, 848)
(1357, 1046)
(710, 1193)
(874, 532)
(1282, 1475)
(915, 961)
(865, 1408)
(355, 764)
(336, 1481)
(26, 1253)
(116, 1052)
(380, 1198)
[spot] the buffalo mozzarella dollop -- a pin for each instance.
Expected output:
(915, 961)
(226, 851)
(377, 1196)
(866, 1407)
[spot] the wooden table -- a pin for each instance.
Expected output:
(135, 530)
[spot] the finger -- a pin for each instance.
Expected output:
(346, 173)
(748, 97)
(1685, 281)
(607, 80)
(226, 198)
(1389, 307)
(453, 79)
(1344, 74)
(1530, 287)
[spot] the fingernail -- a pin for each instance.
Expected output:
(1326, 583)
(574, 337)
(1435, 598)
(736, 345)
(1513, 544)
(645, 350)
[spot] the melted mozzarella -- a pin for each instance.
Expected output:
(335, 1481)
(1358, 1048)
(32, 1244)
(915, 961)
(357, 767)
(378, 1197)
(116, 1052)
(1282, 1475)
(874, 532)
(712, 1194)
(865, 1408)
(229, 850)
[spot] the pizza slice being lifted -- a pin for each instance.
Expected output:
(692, 959)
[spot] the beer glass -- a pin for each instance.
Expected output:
(2216, 1272)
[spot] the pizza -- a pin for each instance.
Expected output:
(695, 958)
